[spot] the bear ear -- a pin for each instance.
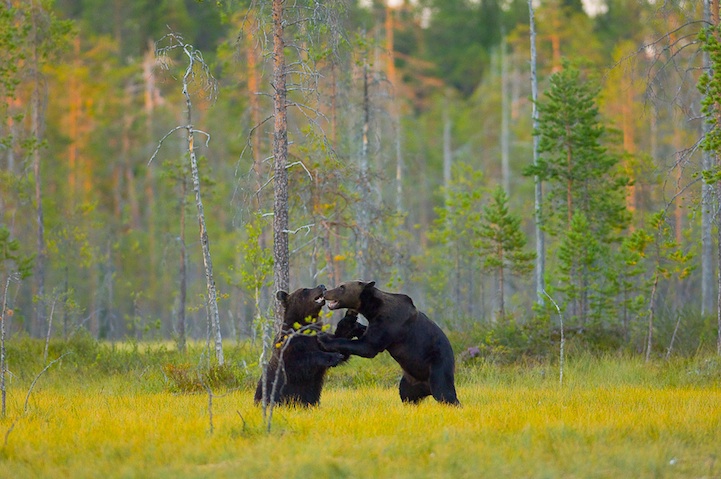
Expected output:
(369, 285)
(282, 296)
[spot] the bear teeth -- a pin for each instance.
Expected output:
(332, 304)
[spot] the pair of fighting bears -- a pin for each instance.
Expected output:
(394, 324)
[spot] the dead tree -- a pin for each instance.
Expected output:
(196, 61)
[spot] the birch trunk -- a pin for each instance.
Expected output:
(707, 192)
(540, 239)
(364, 184)
(505, 121)
(212, 299)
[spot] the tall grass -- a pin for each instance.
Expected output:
(613, 417)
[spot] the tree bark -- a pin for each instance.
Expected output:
(540, 238)
(651, 309)
(36, 125)
(281, 275)
(205, 244)
(212, 299)
(718, 286)
(364, 185)
(447, 151)
(505, 121)
(3, 357)
(183, 267)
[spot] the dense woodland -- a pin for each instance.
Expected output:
(411, 162)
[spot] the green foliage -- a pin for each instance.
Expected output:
(11, 259)
(456, 231)
(506, 342)
(578, 266)
(111, 220)
(579, 170)
(629, 278)
(667, 256)
(501, 242)
(257, 261)
(501, 238)
(709, 84)
(13, 34)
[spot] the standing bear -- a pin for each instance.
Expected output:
(299, 364)
(395, 325)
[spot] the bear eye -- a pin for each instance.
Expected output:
(342, 287)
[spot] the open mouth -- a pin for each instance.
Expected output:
(320, 300)
(333, 304)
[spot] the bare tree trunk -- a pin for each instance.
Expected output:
(718, 286)
(36, 125)
(3, 357)
(204, 241)
(127, 162)
(252, 55)
(50, 329)
(505, 120)
(629, 141)
(151, 98)
(447, 151)
(73, 119)
(254, 105)
(281, 256)
(651, 308)
(183, 268)
(707, 191)
(364, 185)
(501, 299)
(195, 62)
(399, 166)
(540, 238)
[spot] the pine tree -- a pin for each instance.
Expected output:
(578, 256)
(579, 171)
(501, 244)
(710, 85)
(585, 206)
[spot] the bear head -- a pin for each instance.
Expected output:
(301, 304)
(348, 295)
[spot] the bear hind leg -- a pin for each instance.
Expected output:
(442, 385)
(412, 391)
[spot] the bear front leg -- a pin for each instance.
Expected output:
(357, 347)
(349, 327)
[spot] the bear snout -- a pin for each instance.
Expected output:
(320, 299)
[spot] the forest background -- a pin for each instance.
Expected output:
(411, 163)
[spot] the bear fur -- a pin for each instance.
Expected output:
(418, 344)
(301, 368)
(349, 327)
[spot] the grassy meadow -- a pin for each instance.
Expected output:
(612, 417)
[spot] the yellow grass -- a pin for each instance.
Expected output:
(110, 429)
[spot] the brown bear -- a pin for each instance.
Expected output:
(395, 325)
(302, 370)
